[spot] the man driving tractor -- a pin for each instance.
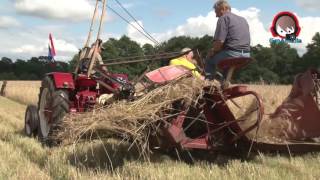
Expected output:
(231, 38)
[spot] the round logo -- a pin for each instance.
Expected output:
(286, 26)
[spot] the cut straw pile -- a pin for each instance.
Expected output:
(133, 121)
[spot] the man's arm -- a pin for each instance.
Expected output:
(219, 36)
(217, 47)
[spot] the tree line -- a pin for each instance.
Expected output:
(278, 63)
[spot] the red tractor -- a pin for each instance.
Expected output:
(63, 93)
(90, 85)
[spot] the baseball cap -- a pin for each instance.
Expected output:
(186, 49)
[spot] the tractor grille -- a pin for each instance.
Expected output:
(316, 90)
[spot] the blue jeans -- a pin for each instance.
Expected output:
(211, 63)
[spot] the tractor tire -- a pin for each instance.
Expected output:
(53, 106)
(31, 123)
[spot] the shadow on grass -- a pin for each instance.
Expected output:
(113, 154)
(109, 155)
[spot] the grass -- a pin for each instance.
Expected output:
(25, 158)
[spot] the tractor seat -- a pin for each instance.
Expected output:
(235, 63)
(230, 65)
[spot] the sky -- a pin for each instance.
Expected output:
(25, 24)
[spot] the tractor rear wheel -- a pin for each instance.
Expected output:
(53, 106)
(31, 123)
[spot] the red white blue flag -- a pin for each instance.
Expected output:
(51, 49)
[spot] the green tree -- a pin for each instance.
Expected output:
(311, 59)
(5, 64)
(285, 57)
(148, 49)
(8, 76)
(124, 47)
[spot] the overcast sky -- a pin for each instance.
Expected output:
(25, 24)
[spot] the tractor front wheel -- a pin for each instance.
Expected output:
(53, 106)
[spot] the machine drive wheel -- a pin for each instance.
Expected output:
(53, 106)
(31, 123)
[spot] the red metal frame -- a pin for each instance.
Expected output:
(216, 112)
(83, 91)
(62, 80)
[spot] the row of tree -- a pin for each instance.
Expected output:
(278, 63)
(32, 69)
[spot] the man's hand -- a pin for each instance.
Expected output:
(217, 46)
(211, 53)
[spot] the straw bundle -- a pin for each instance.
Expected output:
(136, 120)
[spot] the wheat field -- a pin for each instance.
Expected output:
(25, 92)
(22, 157)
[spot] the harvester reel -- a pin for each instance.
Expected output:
(53, 106)
(31, 125)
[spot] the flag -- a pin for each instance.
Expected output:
(51, 49)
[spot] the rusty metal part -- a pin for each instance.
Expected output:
(105, 85)
(220, 121)
(316, 92)
(107, 76)
(300, 110)
(138, 59)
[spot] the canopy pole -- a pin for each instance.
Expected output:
(83, 52)
(97, 44)
(91, 25)
(102, 18)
